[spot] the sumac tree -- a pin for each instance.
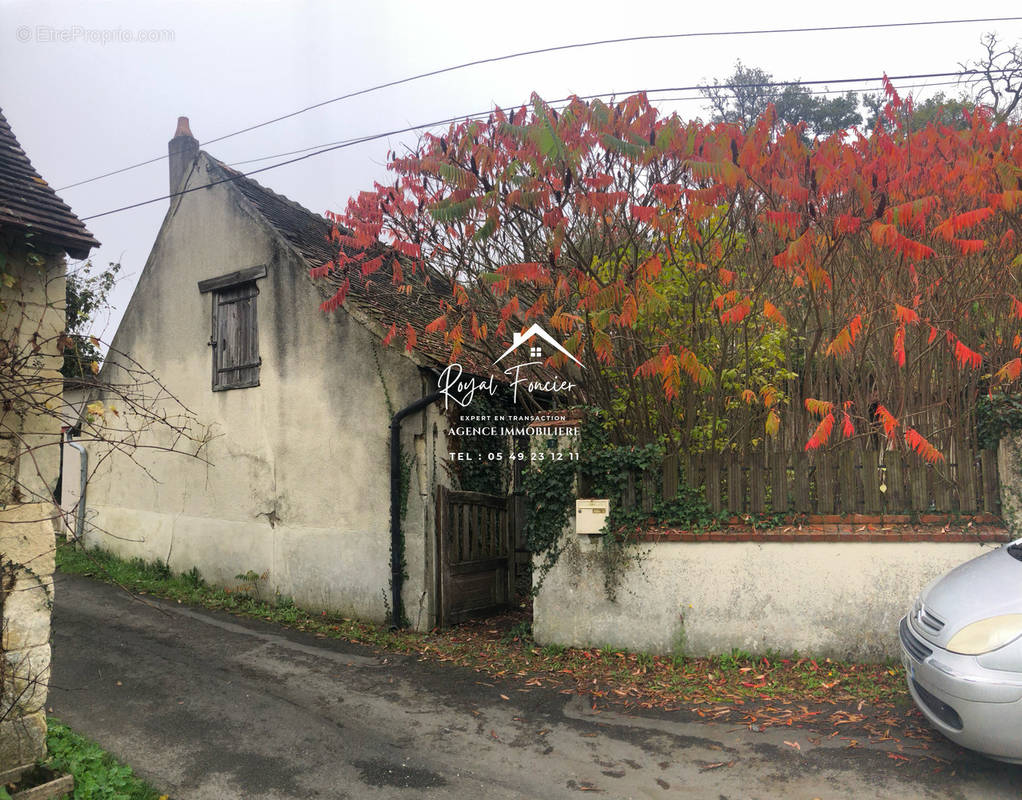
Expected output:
(721, 283)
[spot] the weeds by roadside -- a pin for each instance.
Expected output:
(97, 775)
(504, 648)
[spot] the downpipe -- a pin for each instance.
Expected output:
(396, 548)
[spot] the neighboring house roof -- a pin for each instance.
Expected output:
(375, 296)
(28, 204)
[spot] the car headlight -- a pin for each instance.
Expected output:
(986, 635)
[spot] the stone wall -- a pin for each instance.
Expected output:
(834, 589)
(31, 320)
(26, 595)
(1009, 468)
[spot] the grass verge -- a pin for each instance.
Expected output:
(780, 687)
(98, 776)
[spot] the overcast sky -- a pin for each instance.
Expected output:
(92, 87)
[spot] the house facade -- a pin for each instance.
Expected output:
(37, 231)
(289, 475)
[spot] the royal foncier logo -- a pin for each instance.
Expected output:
(457, 387)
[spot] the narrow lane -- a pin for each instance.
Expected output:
(212, 707)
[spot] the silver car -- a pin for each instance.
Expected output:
(962, 648)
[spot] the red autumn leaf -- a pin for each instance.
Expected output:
(968, 247)
(409, 249)
(887, 420)
(728, 298)
(917, 442)
(906, 316)
(845, 338)
(913, 213)
(338, 298)
(847, 223)
(888, 236)
(439, 324)
(818, 408)
(527, 272)
(651, 268)
(510, 309)
(321, 271)
(952, 226)
(643, 213)
(601, 181)
(798, 252)
(899, 345)
(821, 434)
(736, 313)
(771, 312)
(1010, 371)
(966, 356)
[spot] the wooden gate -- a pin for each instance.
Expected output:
(475, 554)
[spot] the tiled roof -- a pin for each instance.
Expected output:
(27, 203)
(375, 296)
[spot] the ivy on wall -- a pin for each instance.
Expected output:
(602, 470)
(997, 414)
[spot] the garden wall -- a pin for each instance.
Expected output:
(829, 586)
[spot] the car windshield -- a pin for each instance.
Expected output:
(1015, 549)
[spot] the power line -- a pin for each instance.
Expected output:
(553, 49)
(372, 137)
(564, 101)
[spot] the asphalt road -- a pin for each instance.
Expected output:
(211, 707)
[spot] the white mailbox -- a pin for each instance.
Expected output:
(590, 515)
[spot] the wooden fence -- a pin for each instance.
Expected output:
(852, 477)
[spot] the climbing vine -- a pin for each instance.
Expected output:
(603, 470)
(997, 414)
(405, 478)
(549, 486)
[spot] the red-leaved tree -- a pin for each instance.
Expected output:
(720, 285)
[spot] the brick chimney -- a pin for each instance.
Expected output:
(182, 149)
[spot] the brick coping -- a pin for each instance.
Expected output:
(985, 528)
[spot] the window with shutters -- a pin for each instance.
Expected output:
(235, 335)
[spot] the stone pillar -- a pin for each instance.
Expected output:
(1009, 467)
(26, 596)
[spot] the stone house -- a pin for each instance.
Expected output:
(293, 479)
(37, 231)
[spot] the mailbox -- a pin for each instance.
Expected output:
(590, 515)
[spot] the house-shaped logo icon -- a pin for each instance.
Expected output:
(534, 350)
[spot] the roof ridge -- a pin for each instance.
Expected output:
(276, 195)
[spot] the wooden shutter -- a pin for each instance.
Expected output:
(235, 337)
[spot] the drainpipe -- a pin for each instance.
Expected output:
(83, 480)
(396, 574)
